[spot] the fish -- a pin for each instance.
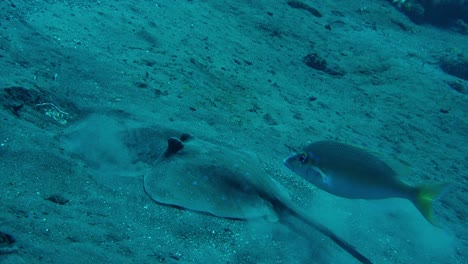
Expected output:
(353, 172)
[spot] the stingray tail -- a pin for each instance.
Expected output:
(343, 244)
(424, 196)
(327, 232)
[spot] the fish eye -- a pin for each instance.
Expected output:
(302, 158)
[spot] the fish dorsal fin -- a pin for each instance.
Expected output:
(400, 166)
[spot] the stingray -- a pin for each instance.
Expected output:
(201, 176)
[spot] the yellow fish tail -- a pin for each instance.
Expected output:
(425, 195)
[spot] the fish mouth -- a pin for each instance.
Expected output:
(287, 163)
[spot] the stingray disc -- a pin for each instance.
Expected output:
(209, 178)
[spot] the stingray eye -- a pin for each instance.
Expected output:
(302, 158)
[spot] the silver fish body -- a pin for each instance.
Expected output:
(352, 172)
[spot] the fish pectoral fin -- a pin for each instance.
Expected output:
(323, 175)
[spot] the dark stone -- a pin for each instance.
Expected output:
(7, 244)
(6, 239)
(456, 65)
(301, 5)
(141, 85)
(58, 199)
(458, 86)
(298, 116)
(158, 92)
(315, 61)
(270, 120)
(185, 136)
(15, 109)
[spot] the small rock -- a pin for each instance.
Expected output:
(301, 5)
(7, 242)
(269, 120)
(58, 199)
(458, 86)
(456, 65)
(298, 116)
(314, 61)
